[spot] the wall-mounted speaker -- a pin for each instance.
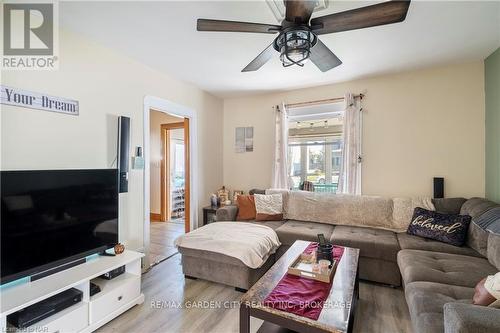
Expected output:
(438, 187)
(123, 152)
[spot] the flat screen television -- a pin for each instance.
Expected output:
(54, 217)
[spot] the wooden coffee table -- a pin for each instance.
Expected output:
(336, 316)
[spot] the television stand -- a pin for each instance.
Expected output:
(117, 295)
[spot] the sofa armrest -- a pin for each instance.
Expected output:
(468, 318)
(226, 213)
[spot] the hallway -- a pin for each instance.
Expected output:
(163, 235)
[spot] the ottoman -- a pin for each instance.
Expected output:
(220, 268)
(232, 253)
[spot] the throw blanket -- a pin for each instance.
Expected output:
(490, 220)
(252, 244)
(354, 210)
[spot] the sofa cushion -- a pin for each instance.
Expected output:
(418, 243)
(271, 224)
(486, 216)
(454, 269)
(426, 300)
(477, 206)
(373, 243)
(293, 230)
(448, 205)
(494, 250)
(468, 318)
(403, 208)
(378, 270)
(477, 238)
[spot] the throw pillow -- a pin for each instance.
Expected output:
(487, 291)
(246, 207)
(446, 228)
(269, 207)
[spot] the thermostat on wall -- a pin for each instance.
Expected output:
(138, 160)
(138, 163)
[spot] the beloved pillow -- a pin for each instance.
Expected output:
(446, 228)
(246, 207)
(487, 291)
(269, 207)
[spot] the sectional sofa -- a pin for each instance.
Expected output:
(438, 278)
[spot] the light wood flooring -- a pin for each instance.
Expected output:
(163, 235)
(172, 304)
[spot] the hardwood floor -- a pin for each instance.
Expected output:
(163, 235)
(173, 304)
(381, 309)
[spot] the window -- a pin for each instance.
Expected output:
(316, 159)
(315, 146)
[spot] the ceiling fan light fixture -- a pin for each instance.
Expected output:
(297, 32)
(294, 46)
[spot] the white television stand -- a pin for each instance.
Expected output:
(116, 296)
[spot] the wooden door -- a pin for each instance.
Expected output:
(165, 209)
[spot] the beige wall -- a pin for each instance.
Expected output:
(156, 119)
(106, 84)
(492, 89)
(417, 125)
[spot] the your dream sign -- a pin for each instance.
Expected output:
(39, 101)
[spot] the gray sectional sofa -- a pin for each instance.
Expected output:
(438, 278)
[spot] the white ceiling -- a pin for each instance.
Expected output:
(163, 36)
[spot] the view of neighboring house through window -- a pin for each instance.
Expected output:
(315, 146)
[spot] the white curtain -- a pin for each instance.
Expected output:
(281, 166)
(350, 168)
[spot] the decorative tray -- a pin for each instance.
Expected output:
(303, 266)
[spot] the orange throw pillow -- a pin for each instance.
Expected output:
(246, 207)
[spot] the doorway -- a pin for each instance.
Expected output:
(169, 183)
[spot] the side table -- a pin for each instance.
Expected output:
(209, 214)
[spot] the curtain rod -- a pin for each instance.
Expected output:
(321, 101)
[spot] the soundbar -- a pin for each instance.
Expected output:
(57, 269)
(123, 152)
(438, 187)
(46, 308)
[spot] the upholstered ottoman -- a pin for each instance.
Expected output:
(232, 253)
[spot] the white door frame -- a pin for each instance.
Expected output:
(162, 105)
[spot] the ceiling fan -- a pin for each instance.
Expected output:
(298, 39)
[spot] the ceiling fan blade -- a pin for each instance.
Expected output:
(299, 11)
(323, 57)
(234, 26)
(364, 17)
(260, 60)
